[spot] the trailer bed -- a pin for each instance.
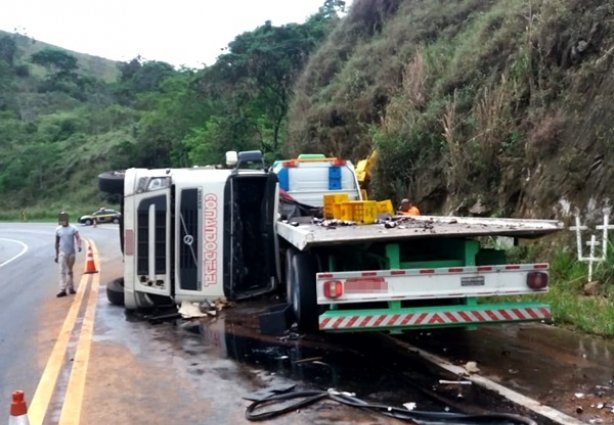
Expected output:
(304, 235)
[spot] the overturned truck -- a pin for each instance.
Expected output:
(198, 234)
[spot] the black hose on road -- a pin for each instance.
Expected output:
(307, 398)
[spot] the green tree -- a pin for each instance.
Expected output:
(331, 8)
(8, 49)
(137, 77)
(172, 112)
(254, 79)
(56, 61)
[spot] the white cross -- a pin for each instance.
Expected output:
(578, 228)
(606, 225)
(591, 259)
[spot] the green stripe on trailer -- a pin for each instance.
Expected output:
(393, 319)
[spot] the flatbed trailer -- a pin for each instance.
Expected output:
(410, 272)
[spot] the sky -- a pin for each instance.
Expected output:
(188, 33)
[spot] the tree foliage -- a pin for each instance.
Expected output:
(252, 83)
(152, 116)
(138, 77)
(8, 49)
(56, 61)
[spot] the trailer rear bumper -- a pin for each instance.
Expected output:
(432, 317)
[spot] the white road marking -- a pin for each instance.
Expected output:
(23, 250)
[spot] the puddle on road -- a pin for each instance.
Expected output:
(317, 362)
(365, 364)
(343, 362)
(230, 349)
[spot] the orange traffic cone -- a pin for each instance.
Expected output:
(90, 267)
(19, 410)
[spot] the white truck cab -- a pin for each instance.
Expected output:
(309, 176)
(192, 234)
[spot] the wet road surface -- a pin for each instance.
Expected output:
(571, 372)
(198, 372)
(202, 369)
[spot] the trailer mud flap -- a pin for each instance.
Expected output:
(432, 317)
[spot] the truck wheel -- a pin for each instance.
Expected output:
(115, 291)
(302, 273)
(88, 222)
(115, 220)
(111, 182)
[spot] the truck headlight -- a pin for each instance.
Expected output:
(148, 184)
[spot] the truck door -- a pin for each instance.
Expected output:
(152, 244)
(250, 239)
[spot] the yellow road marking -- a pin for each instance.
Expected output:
(42, 396)
(71, 410)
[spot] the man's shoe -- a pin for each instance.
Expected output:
(71, 291)
(61, 294)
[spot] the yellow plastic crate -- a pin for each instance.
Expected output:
(365, 212)
(346, 211)
(337, 211)
(385, 207)
(329, 202)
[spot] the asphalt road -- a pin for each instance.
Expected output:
(28, 281)
(81, 360)
(32, 319)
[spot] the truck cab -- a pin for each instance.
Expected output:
(200, 233)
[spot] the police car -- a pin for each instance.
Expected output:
(103, 215)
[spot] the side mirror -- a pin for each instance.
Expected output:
(247, 157)
(231, 158)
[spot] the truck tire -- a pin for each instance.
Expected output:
(111, 182)
(115, 291)
(302, 282)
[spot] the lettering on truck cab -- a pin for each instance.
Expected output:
(210, 239)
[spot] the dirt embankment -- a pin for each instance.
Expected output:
(476, 107)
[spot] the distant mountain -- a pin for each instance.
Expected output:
(94, 66)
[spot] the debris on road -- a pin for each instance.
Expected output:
(410, 406)
(472, 367)
(192, 310)
(261, 408)
(308, 360)
(449, 382)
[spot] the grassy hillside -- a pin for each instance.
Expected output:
(103, 69)
(66, 117)
(490, 106)
(493, 107)
(59, 127)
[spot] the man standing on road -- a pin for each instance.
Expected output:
(65, 237)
